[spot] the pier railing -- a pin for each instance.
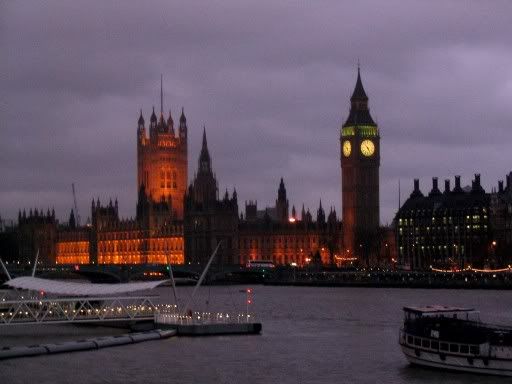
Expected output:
(173, 318)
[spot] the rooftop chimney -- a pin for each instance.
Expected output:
(416, 192)
(446, 185)
(435, 187)
(457, 184)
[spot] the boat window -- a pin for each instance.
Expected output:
(425, 344)
(434, 345)
(454, 348)
(444, 346)
(464, 349)
(474, 350)
(417, 341)
(409, 340)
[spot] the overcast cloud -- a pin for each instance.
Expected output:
(271, 80)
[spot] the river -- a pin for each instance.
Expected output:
(310, 335)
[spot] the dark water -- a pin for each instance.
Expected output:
(310, 335)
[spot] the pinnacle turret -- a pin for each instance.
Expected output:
(141, 120)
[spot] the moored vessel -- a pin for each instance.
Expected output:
(455, 338)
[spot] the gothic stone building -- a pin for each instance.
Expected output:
(271, 234)
(208, 219)
(186, 224)
(155, 236)
(37, 231)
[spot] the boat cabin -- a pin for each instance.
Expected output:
(441, 311)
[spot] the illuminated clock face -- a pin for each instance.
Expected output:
(367, 147)
(347, 148)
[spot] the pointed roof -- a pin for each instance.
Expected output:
(182, 117)
(359, 112)
(153, 115)
(359, 93)
(141, 119)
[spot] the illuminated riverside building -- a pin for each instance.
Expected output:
(454, 228)
(162, 162)
(155, 235)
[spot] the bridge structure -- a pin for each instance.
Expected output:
(101, 309)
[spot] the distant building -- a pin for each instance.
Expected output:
(9, 244)
(455, 228)
(37, 231)
(208, 219)
(290, 239)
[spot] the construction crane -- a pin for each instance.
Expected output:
(76, 206)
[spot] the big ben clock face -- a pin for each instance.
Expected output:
(367, 148)
(347, 148)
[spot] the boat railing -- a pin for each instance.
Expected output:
(475, 324)
(438, 346)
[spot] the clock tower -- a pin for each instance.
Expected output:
(360, 161)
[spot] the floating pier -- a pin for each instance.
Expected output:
(208, 324)
(85, 345)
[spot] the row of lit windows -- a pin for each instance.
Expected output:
(151, 258)
(67, 247)
(364, 130)
(133, 235)
(134, 246)
(445, 220)
(441, 230)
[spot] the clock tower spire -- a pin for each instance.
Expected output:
(360, 162)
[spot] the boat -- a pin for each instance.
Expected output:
(454, 338)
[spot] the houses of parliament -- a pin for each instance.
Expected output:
(182, 221)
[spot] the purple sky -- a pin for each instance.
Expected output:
(271, 80)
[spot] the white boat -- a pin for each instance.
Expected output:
(454, 338)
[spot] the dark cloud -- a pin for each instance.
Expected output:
(270, 80)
